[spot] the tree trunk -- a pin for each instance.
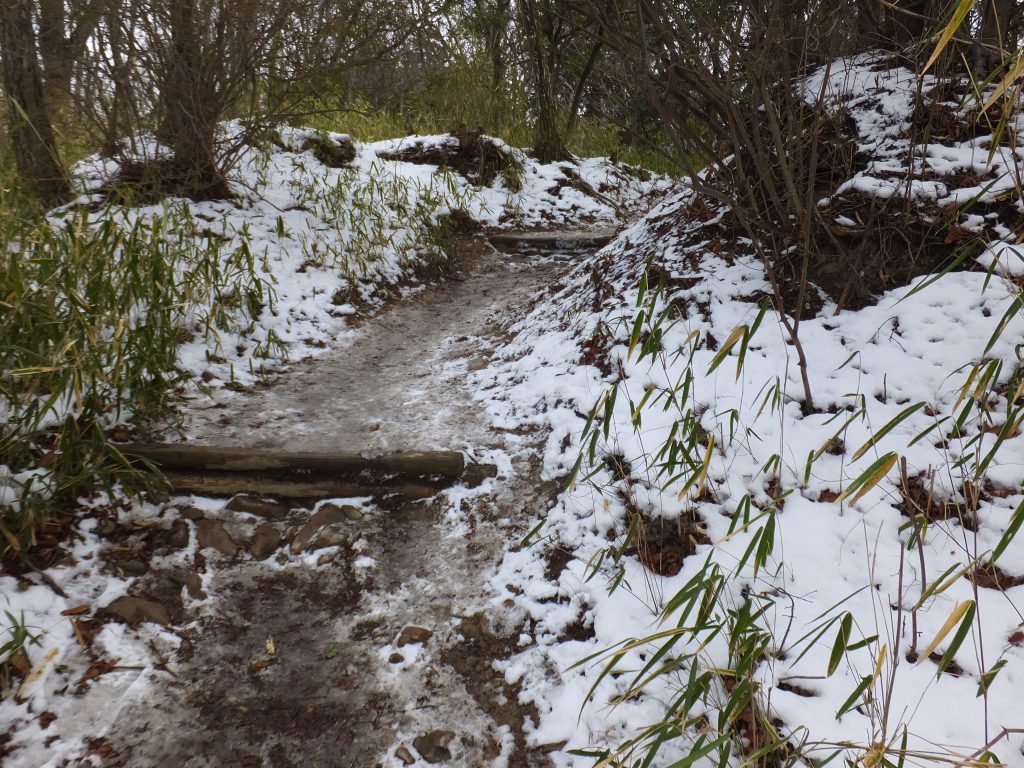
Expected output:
(908, 21)
(118, 120)
(192, 108)
(32, 137)
(990, 47)
(55, 51)
(64, 30)
(548, 142)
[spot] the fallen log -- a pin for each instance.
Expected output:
(232, 483)
(222, 470)
(550, 238)
(448, 464)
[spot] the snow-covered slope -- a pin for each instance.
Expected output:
(808, 513)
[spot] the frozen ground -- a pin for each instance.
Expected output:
(374, 349)
(336, 694)
(508, 364)
(333, 691)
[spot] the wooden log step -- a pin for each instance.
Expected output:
(184, 456)
(551, 238)
(225, 470)
(233, 483)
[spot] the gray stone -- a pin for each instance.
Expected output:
(254, 505)
(133, 567)
(403, 754)
(211, 534)
(328, 514)
(191, 513)
(179, 535)
(194, 587)
(433, 746)
(135, 610)
(331, 537)
(411, 635)
(265, 541)
(326, 558)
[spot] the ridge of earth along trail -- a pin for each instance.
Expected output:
(376, 645)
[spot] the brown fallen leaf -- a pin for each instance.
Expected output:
(78, 610)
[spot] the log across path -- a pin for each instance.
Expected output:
(379, 649)
(226, 470)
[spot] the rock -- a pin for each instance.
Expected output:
(133, 567)
(396, 658)
(411, 635)
(326, 558)
(135, 610)
(105, 526)
(475, 474)
(265, 541)
(492, 749)
(403, 754)
(211, 534)
(194, 587)
(330, 537)
(433, 746)
(121, 433)
(254, 505)
(178, 536)
(328, 514)
(260, 664)
(191, 513)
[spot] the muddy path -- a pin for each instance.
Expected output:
(379, 649)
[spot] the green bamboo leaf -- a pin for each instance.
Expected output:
(701, 750)
(851, 702)
(988, 677)
(1016, 520)
(958, 638)
(1014, 74)
(723, 352)
(869, 478)
(889, 427)
(963, 610)
(839, 646)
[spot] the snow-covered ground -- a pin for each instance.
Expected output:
(895, 384)
(325, 246)
(330, 244)
(801, 508)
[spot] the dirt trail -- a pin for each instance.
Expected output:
(338, 691)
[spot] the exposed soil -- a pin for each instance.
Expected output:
(471, 154)
(337, 683)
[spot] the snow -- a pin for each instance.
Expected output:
(915, 346)
(893, 377)
(59, 662)
(327, 246)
